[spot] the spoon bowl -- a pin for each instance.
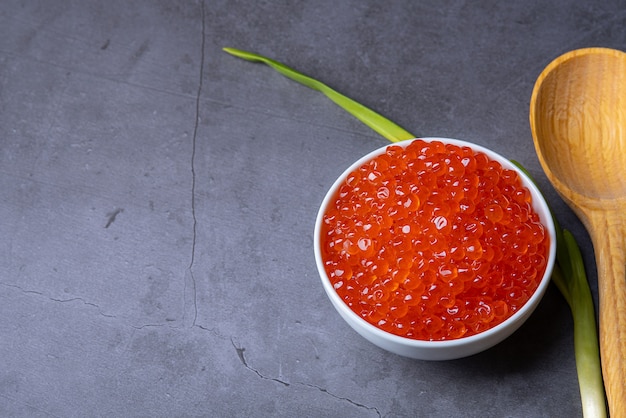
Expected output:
(578, 123)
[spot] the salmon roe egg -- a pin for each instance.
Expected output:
(433, 242)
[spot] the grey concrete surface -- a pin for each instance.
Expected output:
(158, 198)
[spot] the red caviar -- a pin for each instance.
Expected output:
(433, 241)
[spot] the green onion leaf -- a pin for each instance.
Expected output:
(377, 122)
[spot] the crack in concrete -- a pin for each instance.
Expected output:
(151, 326)
(341, 398)
(85, 303)
(74, 299)
(212, 331)
(242, 358)
(193, 182)
(21, 289)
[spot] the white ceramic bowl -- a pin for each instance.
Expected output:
(449, 349)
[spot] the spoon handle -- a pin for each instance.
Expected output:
(608, 232)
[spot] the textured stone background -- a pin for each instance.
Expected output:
(158, 196)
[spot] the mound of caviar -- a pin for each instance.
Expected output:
(433, 241)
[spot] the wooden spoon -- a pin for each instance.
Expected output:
(578, 123)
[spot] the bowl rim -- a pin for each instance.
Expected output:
(539, 205)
